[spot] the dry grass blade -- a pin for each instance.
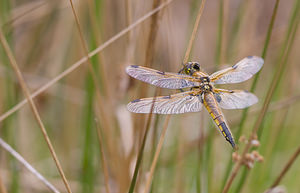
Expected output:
(157, 152)
(193, 36)
(286, 167)
(84, 59)
(103, 160)
(33, 8)
(141, 150)
(2, 187)
(18, 157)
(32, 106)
(148, 60)
(161, 139)
(263, 55)
(152, 35)
(279, 70)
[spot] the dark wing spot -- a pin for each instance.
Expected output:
(166, 97)
(159, 72)
(235, 66)
(134, 66)
(249, 57)
(136, 100)
(231, 91)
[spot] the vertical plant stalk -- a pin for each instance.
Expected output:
(103, 112)
(253, 86)
(102, 70)
(84, 59)
(25, 89)
(280, 68)
(194, 32)
(156, 155)
(161, 139)
(286, 168)
(152, 35)
(263, 55)
(20, 159)
(220, 33)
(103, 160)
(141, 151)
(148, 60)
(2, 187)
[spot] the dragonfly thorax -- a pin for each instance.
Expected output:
(205, 85)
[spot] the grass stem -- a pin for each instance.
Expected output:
(25, 89)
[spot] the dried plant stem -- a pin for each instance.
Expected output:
(2, 187)
(102, 68)
(193, 36)
(25, 89)
(162, 137)
(156, 155)
(148, 60)
(263, 55)
(286, 167)
(18, 157)
(279, 70)
(33, 8)
(103, 160)
(253, 86)
(105, 119)
(141, 151)
(152, 35)
(84, 59)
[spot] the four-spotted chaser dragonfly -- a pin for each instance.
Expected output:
(202, 91)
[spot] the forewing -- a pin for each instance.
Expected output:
(234, 99)
(239, 72)
(174, 104)
(162, 79)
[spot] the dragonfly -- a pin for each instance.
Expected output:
(201, 91)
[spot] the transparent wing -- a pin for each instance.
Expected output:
(174, 104)
(234, 99)
(162, 79)
(239, 72)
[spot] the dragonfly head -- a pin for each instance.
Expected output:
(190, 68)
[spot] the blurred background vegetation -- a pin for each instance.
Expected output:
(97, 140)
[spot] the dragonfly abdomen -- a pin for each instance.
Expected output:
(211, 105)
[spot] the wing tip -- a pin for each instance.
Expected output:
(254, 98)
(259, 59)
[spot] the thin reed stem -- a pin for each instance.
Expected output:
(83, 60)
(149, 55)
(12, 20)
(152, 35)
(25, 89)
(159, 146)
(253, 86)
(194, 32)
(141, 152)
(263, 55)
(103, 160)
(100, 104)
(286, 168)
(279, 71)
(2, 187)
(156, 155)
(27, 165)
(220, 34)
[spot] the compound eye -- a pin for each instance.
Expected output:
(196, 66)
